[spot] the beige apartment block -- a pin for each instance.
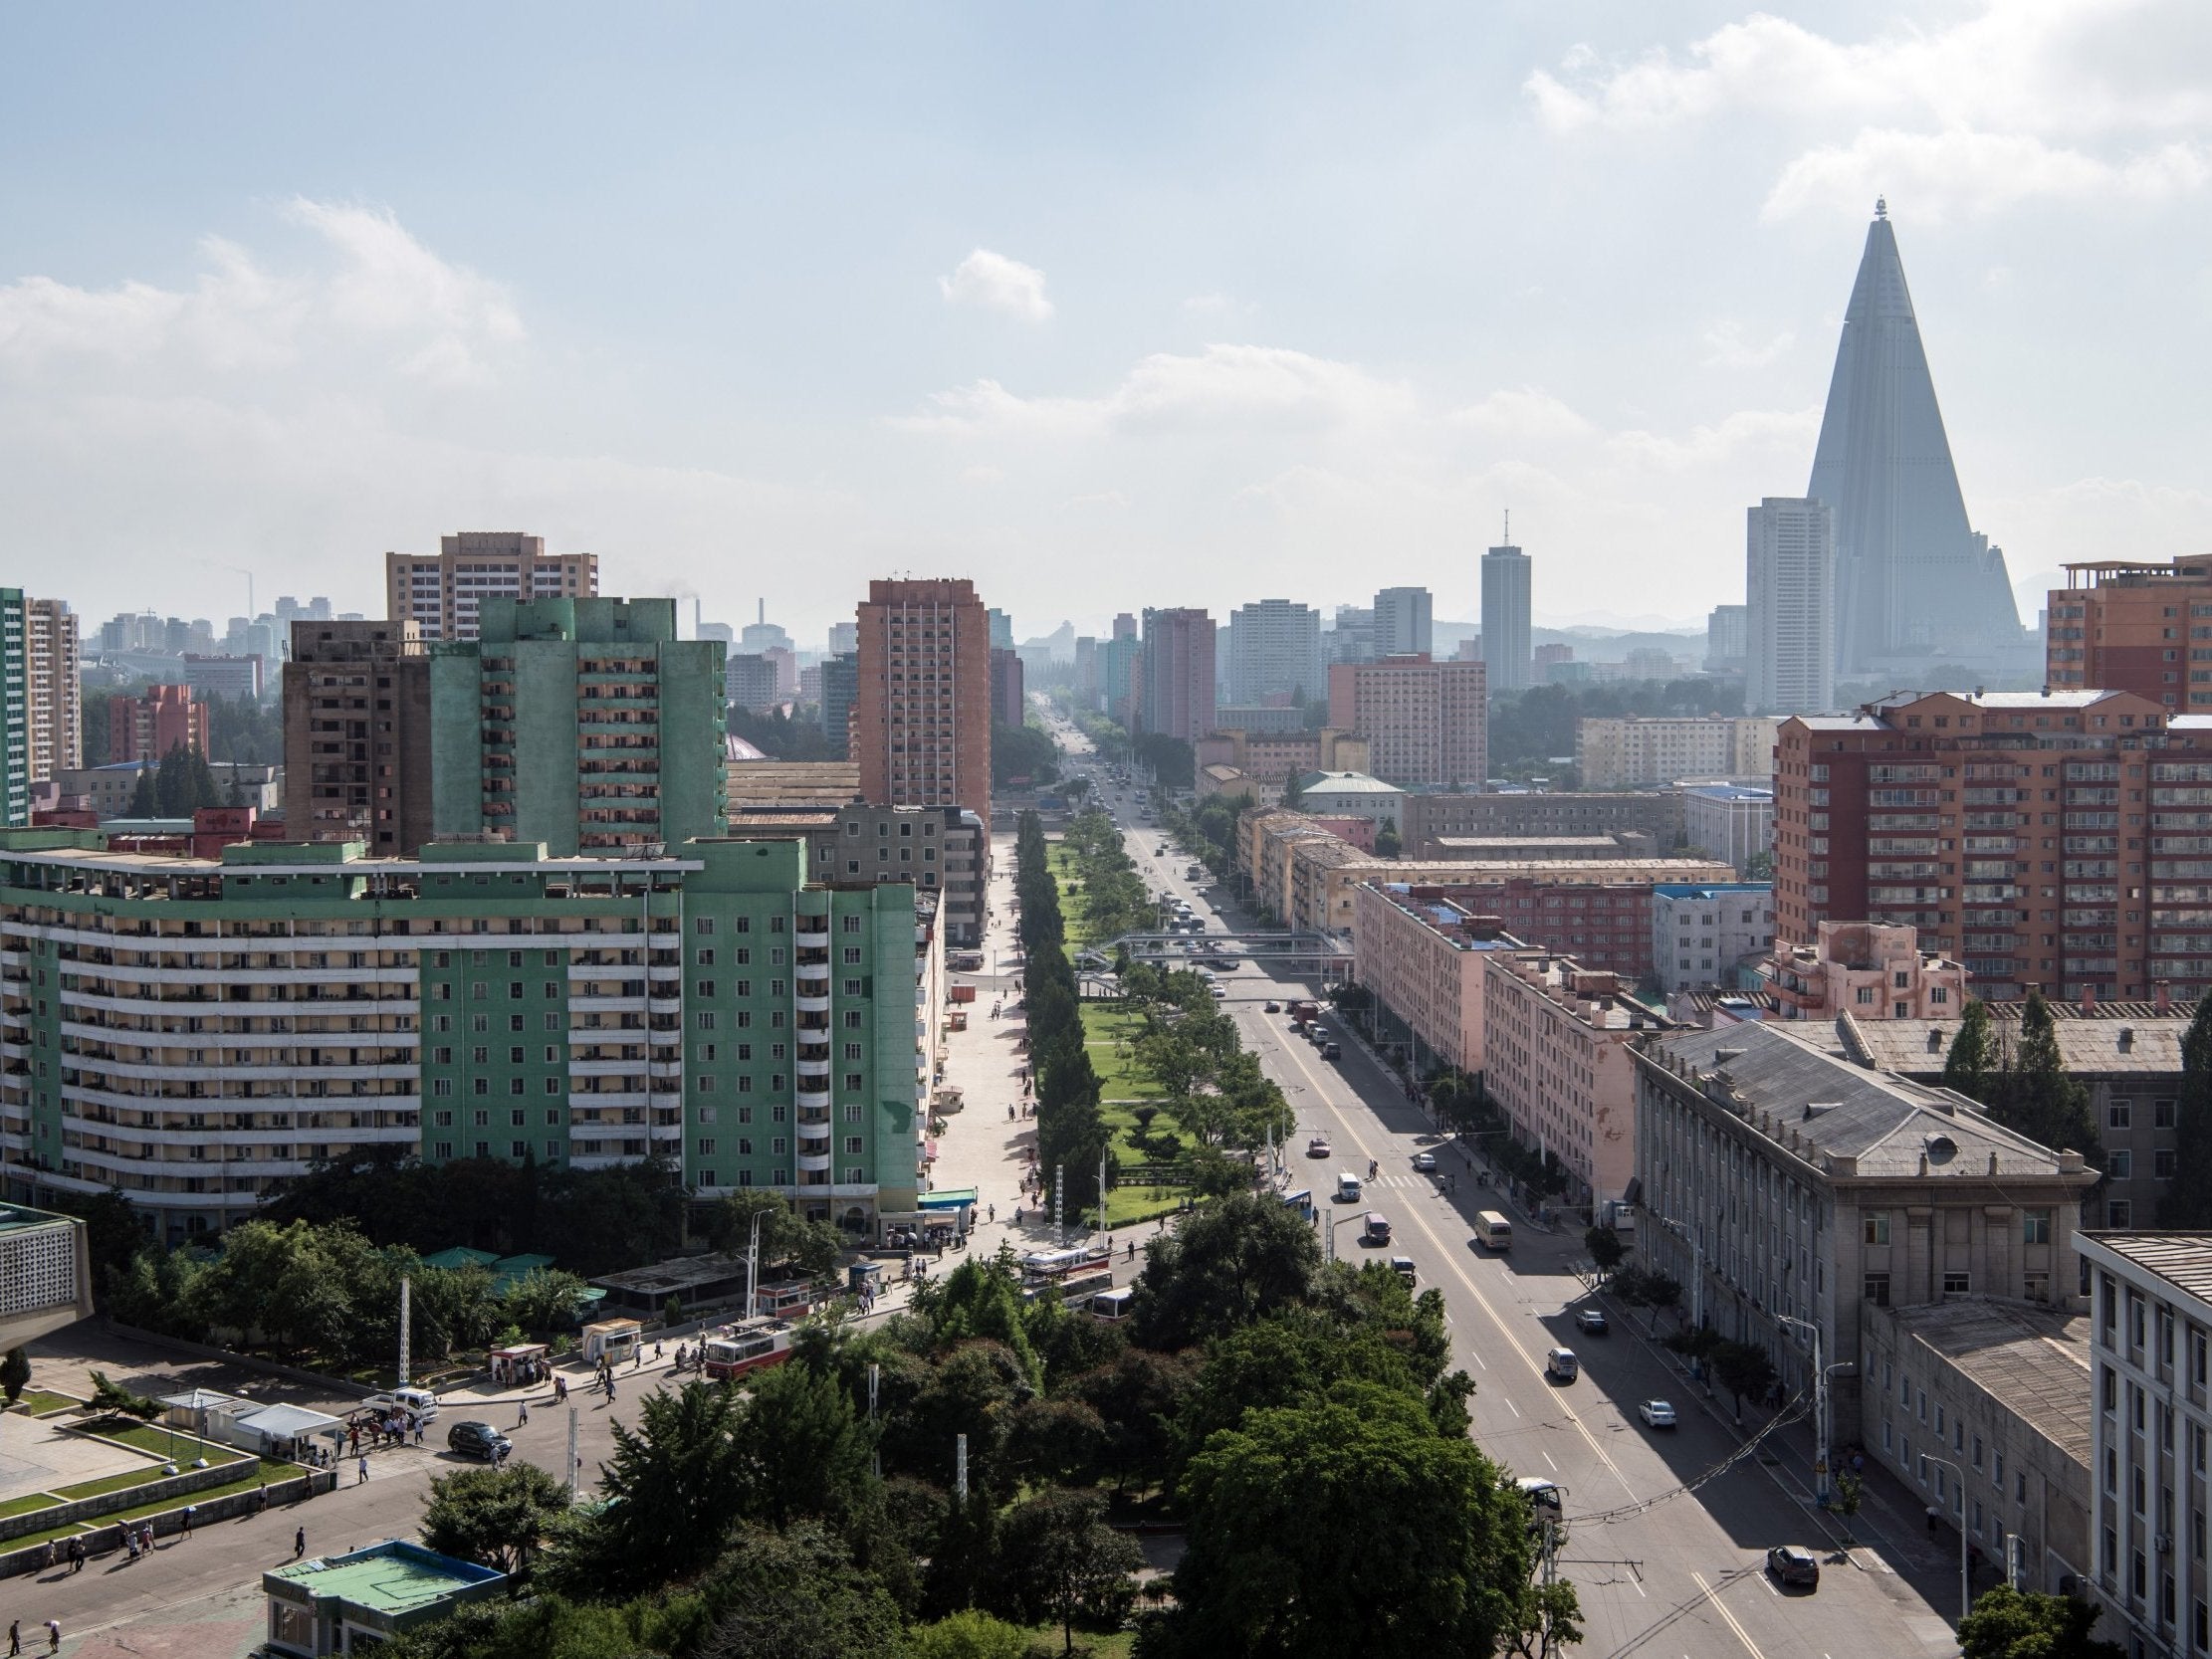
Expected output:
(443, 593)
(1653, 752)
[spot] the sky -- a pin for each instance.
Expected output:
(1103, 306)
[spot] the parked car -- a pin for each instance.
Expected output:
(1318, 1147)
(408, 1402)
(1329, 1051)
(1424, 1162)
(1592, 1320)
(1561, 1363)
(1656, 1415)
(476, 1439)
(1794, 1565)
(1270, 1007)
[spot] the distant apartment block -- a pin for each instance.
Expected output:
(1427, 723)
(1175, 674)
(748, 681)
(1732, 821)
(1008, 706)
(1404, 622)
(356, 736)
(2123, 626)
(583, 724)
(1656, 751)
(1505, 617)
(1260, 718)
(445, 595)
(41, 729)
(149, 726)
(1867, 969)
(233, 679)
(1702, 932)
(1271, 649)
(1790, 577)
(841, 682)
(921, 719)
(1427, 817)
(1275, 758)
(1727, 639)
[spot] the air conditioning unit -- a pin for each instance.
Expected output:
(2165, 1543)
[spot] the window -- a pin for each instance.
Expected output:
(2035, 1227)
(1957, 1283)
(2161, 1115)
(852, 955)
(706, 1146)
(2122, 1163)
(706, 988)
(1877, 1289)
(2119, 1113)
(706, 1020)
(1877, 1227)
(2118, 1213)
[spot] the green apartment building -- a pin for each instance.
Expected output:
(583, 724)
(195, 1032)
(15, 708)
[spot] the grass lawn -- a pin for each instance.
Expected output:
(39, 1401)
(1127, 1205)
(266, 1470)
(1110, 1644)
(27, 1503)
(1107, 1026)
(1124, 1087)
(166, 1444)
(1075, 932)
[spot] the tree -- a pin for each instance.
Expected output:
(1742, 1369)
(801, 1450)
(1973, 1054)
(2013, 1625)
(1231, 1263)
(144, 802)
(1606, 1249)
(1066, 1563)
(1349, 1513)
(2037, 1096)
(2187, 1201)
(1387, 844)
(968, 1634)
(112, 1400)
(545, 1300)
(1850, 1491)
(675, 1488)
(796, 1595)
(498, 1516)
(15, 1372)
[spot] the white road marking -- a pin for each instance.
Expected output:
(1713, 1598)
(1511, 1406)
(1548, 1459)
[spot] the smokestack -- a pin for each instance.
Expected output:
(2088, 999)
(698, 617)
(2164, 995)
(764, 612)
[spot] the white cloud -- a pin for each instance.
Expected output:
(1727, 347)
(1526, 413)
(377, 289)
(998, 283)
(2016, 100)
(1781, 434)
(1223, 388)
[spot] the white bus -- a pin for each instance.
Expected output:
(1493, 1230)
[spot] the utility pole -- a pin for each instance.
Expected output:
(1820, 1407)
(960, 1467)
(1102, 1191)
(406, 1302)
(874, 1372)
(1965, 1591)
(1059, 1197)
(576, 1463)
(1551, 1576)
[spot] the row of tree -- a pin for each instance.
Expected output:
(1072, 1134)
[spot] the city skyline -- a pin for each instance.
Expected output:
(295, 355)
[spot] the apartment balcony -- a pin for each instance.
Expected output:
(817, 1163)
(812, 1100)
(813, 1005)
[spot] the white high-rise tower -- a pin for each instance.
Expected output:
(1789, 579)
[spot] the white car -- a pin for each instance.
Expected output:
(1656, 1415)
(1424, 1162)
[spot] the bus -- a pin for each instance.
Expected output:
(749, 1345)
(1059, 1264)
(1493, 1230)
(1301, 1201)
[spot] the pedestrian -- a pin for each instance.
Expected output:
(656, 1353)
(130, 1541)
(610, 1390)
(418, 1430)
(77, 1555)
(52, 1553)
(521, 1414)
(53, 1635)
(299, 1543)
(362, 1478)
(992, 1209)
(1931, 1520)
(188, 1511)
(15, 1637)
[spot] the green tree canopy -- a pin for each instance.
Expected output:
(2036, 1095)
(2012, 1624)
(1064, 1562)
(496, 1516)
(1230, 1264)
(2187, 1200)
(1973, 1053)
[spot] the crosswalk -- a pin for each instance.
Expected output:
(1425, 1182)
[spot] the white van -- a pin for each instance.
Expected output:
(1347, 1190)
(1493, 1230)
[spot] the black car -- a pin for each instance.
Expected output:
(476, 1439)
(1794, 1565)
(1592, 1320)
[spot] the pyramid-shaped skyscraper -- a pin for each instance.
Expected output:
(1914, 584)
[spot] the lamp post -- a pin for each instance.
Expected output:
(1329, 1226)
(1965, 1594)
(753, 1261)
(1821, 1490)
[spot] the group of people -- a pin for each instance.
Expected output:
(53, 1636)
(389, 1428)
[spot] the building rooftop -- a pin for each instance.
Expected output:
(1800, 1094)
(1708, 890)
(2183, 1260)
(797, 784)
(2137, 1043)
(2034, 1358)
(1345, 783)
(389, 1578)
(1728, 791)
(1560, 843)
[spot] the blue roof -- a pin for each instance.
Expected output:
(1708, 890)
(1732, 793)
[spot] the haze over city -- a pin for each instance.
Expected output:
(1087, 304)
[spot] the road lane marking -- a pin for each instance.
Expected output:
(1548, 1459)
(1450, 1259)
(1511, 1406)
(1712, 1599)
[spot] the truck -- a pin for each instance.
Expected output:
(1300, 1011)
(961, 993)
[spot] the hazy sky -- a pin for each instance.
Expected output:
(1101, 304)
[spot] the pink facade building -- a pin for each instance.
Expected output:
(147, 726)
(1427, 723)
(1175, 674)
(1870, 971)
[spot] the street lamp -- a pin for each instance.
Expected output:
(1329, 1226)
(1965, 1596)
(1820, 1489)
(753, 1261)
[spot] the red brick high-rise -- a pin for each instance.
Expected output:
(921, 716)
(147, 726)
(2120, 626)
(2060, 840)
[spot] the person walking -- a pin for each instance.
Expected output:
(361, 1479)
(522, 1415)
(77, 1555)
(53, 1635)
(299, 1543)
(15, 1637)
(188, 1509)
